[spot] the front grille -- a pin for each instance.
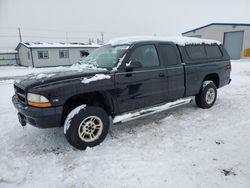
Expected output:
(20, 94)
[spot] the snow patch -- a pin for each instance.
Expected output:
(59, 45)
(205, 83)
(38, 76)
(119, 63)
(95, 78)
(182, 41)
(43, 75)
(81, 67)
(129, 63)
(71, 115)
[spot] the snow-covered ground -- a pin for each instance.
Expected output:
(183, 147)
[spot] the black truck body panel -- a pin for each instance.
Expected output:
(125, 90)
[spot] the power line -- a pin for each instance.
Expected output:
(36, 36)
(61, 30)
(76, 31)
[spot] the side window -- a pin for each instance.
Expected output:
(43, 54)
(146, 55)
(196, 51)
(213, 51)
(170, 57)
(63, 54)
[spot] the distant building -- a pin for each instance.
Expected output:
(8, 57)
(234, 36)
(52, 54)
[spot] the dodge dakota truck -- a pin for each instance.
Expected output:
(125, 78)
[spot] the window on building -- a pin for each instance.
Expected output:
(28, 55)
(43, 54)
(196, 51)
(213, 51)
(83, 53)
(64, 53)
(146, 55)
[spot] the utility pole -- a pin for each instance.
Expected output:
(67, 39)
(19, 32)
(102, 34)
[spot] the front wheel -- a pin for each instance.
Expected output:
(86, 126)
(207, 96)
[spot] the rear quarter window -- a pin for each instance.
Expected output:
(213, 51)
(196, 52)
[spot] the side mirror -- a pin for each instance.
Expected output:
(133, 64)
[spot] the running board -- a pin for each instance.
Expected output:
(153, 110)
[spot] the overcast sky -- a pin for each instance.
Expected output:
(78, 20)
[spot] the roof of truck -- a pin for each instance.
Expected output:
(182, 41)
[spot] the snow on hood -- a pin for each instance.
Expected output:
(75, 67)
(83, 67)
(40, 76)
(182, 41)
(95, 78)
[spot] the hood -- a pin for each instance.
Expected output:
(36, 79)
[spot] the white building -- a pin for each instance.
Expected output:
(234, 36)
(52, 54)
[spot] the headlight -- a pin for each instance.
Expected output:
(38, 100)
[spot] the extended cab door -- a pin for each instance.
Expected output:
(175, 80)
(144, 86)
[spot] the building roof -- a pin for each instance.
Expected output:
(219, 24)
(182, 41)
(57, 45)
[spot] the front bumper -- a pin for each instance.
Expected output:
(38, 117)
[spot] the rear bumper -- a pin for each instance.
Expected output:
(225, 81)
(39, 117)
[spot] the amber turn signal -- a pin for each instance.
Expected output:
(40, 104)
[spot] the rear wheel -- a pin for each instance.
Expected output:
(207, 96)
(86, 127)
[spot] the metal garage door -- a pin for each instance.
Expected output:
(233, 42)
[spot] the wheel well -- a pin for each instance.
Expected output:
(90, 99)
(214, 77)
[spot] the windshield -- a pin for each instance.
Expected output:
(106, 56)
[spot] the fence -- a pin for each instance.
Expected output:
(9, 58)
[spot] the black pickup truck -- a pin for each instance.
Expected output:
(124, 76)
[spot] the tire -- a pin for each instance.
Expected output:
(207, 96)
(86, 127)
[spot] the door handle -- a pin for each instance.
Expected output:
(161, 75)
